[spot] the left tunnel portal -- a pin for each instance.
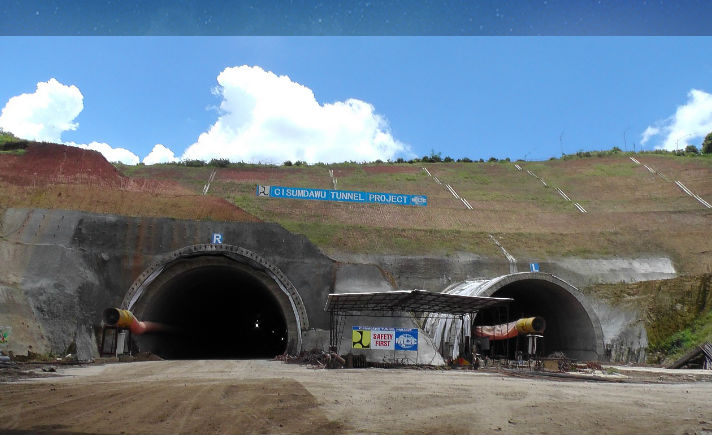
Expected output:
(221, 301)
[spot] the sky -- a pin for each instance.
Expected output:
(330, 99)
(355, 17)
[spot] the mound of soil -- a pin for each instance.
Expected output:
(73, 178)
(45, 163)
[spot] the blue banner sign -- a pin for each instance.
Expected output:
(341, 195)
(368, 337)
(406, 339)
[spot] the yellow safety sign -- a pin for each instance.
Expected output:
(361, 339)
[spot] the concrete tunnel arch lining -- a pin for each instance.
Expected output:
(565, 292)
(270, 275)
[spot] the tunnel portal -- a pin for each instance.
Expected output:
(571, 325)
(220, 302)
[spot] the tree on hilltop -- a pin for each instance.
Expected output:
(691, 149)
(707, 144)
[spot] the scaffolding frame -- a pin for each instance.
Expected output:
(114, 345)
(416, 303)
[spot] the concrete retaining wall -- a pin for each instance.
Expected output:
(60, 269)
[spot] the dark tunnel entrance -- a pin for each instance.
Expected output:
(216, 307)
(571, 328)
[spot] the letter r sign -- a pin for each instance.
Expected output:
(217, 238)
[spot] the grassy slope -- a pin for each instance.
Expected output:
(98, 199)
(631, 211)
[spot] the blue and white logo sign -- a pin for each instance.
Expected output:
(341, 195)
(534, 267)
(406, 339)
(420, 200)
(217, 239)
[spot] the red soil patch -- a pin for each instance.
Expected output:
(59, 176)
(44, 163)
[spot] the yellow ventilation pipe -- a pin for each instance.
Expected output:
(504, 331)
(531, 325)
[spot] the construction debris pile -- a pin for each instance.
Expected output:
(317, 359)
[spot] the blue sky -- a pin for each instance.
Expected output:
(355, 17)
(461, 96)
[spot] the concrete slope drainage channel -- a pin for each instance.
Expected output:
(678, 183)
(558, 190)
(510, 258)
(449, 189)
(692, 194)
(334, 181)
(221, 301)
(206, 187)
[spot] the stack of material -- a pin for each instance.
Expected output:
(314, 358)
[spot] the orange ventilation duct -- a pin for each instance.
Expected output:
(126, 319)
(504, 331)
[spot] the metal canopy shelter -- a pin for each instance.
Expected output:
(406, 301)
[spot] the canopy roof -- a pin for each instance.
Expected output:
(410, 301)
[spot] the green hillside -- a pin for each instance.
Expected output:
(606, 205)
(630, 211)
(633, 206)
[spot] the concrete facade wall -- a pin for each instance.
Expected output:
(60, 269)
(436, 273)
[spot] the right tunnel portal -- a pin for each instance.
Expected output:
(571, 325)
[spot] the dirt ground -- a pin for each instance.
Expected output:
(220, 396)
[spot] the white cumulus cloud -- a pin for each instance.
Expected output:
(648, 133)
(269, 118)
(50, 111)
(111, 154)
(44, 114)
(160, 154)
(691, 121)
